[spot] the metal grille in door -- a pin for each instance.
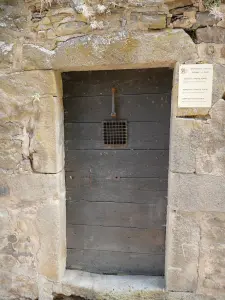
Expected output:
(114, 131)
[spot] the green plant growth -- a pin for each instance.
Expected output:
(49, 2)
(192, 34)
(211, 3)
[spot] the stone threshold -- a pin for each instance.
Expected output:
(116, 287)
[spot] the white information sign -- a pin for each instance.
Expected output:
(195, 85)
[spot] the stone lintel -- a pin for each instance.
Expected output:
(122, 50)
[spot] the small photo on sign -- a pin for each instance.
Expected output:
(195, 85)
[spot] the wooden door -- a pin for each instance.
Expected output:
(117, 196)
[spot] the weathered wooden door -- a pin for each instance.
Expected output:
(116, 196)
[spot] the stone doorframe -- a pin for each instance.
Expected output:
(37, 182)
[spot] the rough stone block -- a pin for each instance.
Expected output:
(51, 220)
(218, 82)
(6, 284)
(71, 28)
(66, 18)
(6, 55)
(51, 34)
(33, 225)
(186, 17)
(9, 130)
(191, 192)
(19, 246)
(177, 3)
(189, 296)
(117, 49)
(184, 139)
(221, 23)
(4, 224)
(154, 22)
(184, 22)
(48, 140)
(210, 151)
(10, 154)
(28, 188)
(24, 282)
(182, 244)
(28, 84)
(211, 265)
(144, 3)
(45, 288)
(205, 19)
(31, 102)
(212, 53)
(211, 35)
(42, 35)
(60, 11)
(37, 57)
(197, 146)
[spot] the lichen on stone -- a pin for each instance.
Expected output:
(217, 13)
(5, 48)
(209, 4)
(97, 25)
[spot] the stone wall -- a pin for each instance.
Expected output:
(32, 182)
(37, 42)
(30, 27)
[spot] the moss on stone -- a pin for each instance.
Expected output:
(130, 45)
(211, 3)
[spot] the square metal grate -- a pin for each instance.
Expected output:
(115, 132)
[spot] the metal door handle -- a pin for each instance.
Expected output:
(113, 113)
